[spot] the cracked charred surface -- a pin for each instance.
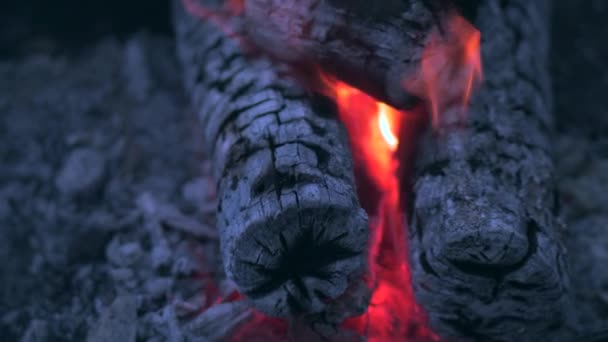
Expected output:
(487, 261)
(293, 234)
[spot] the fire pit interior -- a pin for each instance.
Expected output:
(303, 170)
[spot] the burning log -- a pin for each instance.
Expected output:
(486, 257)
(292, 232)
(372, 46)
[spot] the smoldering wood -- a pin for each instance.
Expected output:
(292, 232)
(486, 257)
(372, 45)
(484, 241)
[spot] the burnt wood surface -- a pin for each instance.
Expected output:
(487, 261)
(372, 45)
(293, 234)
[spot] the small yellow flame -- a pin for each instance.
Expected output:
(385, 126)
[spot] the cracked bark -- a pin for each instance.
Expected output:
(292, 232)
(487, 261)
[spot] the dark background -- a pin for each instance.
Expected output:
(580, 66)
(76, 23)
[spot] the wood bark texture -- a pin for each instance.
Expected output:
(487, 261)
(372, 45)
(293, 234)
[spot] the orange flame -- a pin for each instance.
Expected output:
(450, 68)
(373, 128)
(386, 128)
(374, 125)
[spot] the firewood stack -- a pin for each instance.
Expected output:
(485, 253)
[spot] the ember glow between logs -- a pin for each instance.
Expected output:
(374, 130)
(449, 72)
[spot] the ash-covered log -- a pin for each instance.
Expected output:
(371, 45)
(293, 234)
(486, 256)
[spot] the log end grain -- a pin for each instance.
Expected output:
(303, 261)
(293, 233)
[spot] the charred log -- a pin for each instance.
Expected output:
(372, 45)
(292, 232)
(485, 252)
